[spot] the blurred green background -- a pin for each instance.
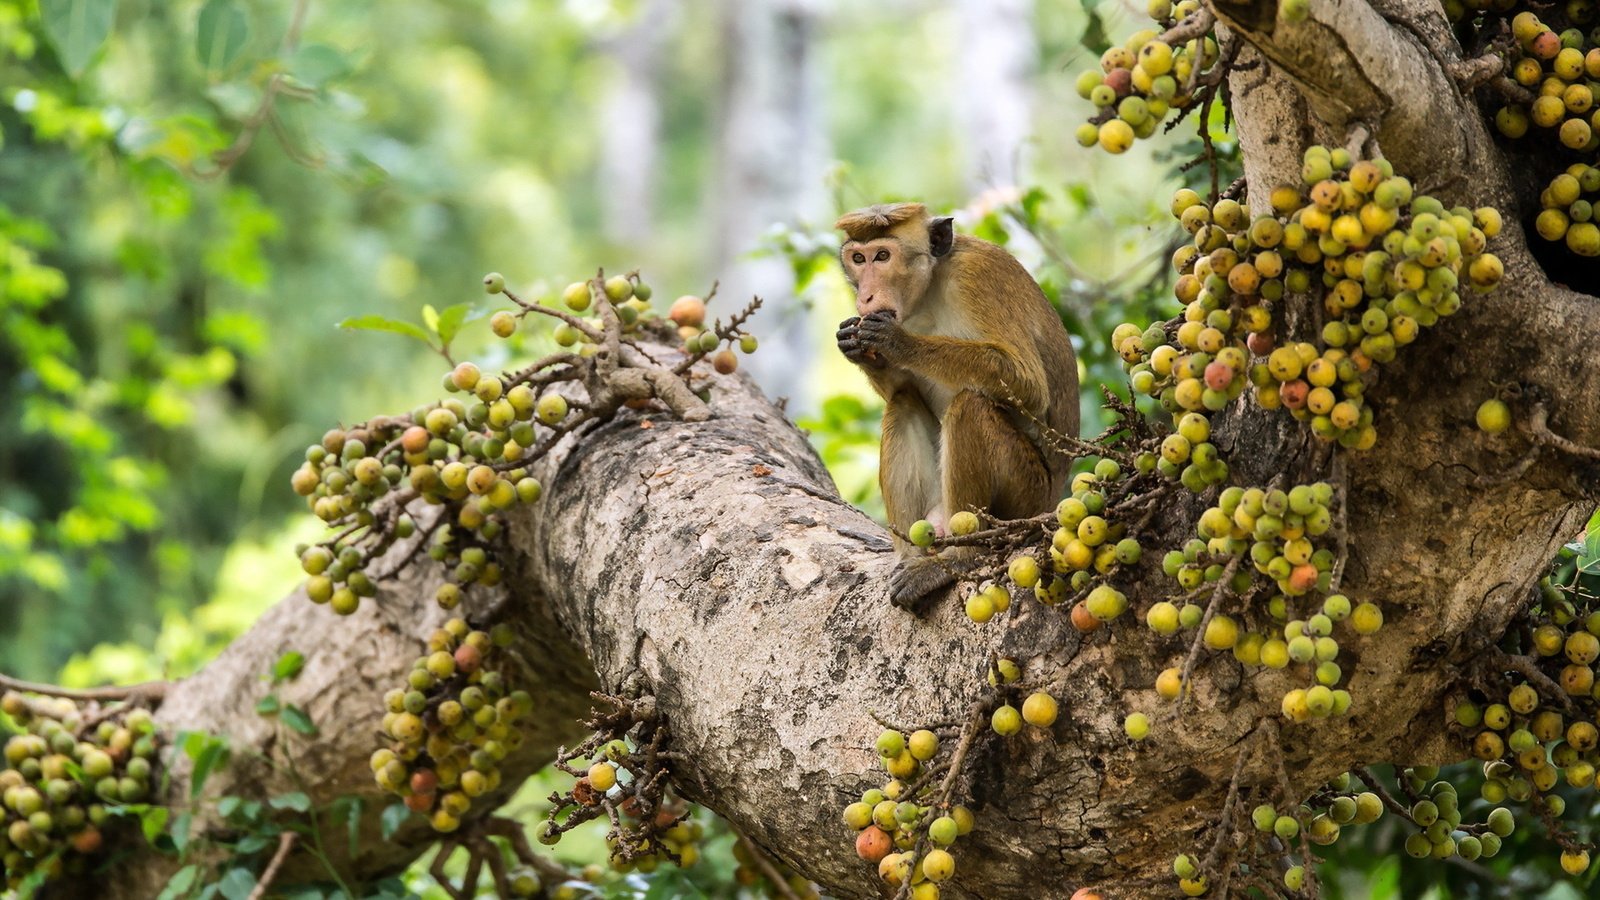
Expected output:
(175, 250)
(194, 192)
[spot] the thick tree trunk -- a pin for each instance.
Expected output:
(714, 565)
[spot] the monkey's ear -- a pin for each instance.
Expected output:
(941, 235)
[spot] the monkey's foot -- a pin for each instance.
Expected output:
(916, 582)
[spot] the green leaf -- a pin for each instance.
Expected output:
(382, 323)
(268, 705)
(672, 885)
(193, 743)
(180, 830)
(1384, 879)
(220, 35)
(229, 805)
(451, 320)
(317, 64)
(350, 807)
(180, 883)
(153, 821)
(78, 28)
(1591, 546)
(210, 756)
(295, 800)
(430, 317)
(288, 666)
(393, 817)
(237, 884)
(252, 843)
(1094, 34)
(296, 718)
(237, 100)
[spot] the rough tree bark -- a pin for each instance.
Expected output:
(714, 564)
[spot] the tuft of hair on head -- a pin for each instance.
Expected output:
(874, 221)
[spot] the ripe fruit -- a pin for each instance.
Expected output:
(1024, 571)
(1039, 710)
(939, 865)
(552, 408)
(618, 288)
(1137, 726)
(503, 324)
(1366, 618)
(1116, 136)
(602, 775)
(944, 831)
(465, 376)
(1006, 720)
(1494, 416)
(688, 311)
(873, 844)
(725, 362)
(980, 608)
(963, 523)
(576, 296)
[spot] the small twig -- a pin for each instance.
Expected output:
(1512, 91)
(1355, 142)
(512, 831)
(223, 159)
(779, 884)
(1376, 786)
(1512, 473)
(151, 690)
(1197, 24)
(488, 852)
(1469, 74)
(286, 841)
(580, 324)
(1222, 590)
(1529, 669)
(1342, 555)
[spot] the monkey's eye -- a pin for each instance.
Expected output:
(883, 256)
(858, 258)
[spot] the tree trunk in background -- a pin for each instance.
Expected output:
(771, 150)
(997, 56)
(632, 111)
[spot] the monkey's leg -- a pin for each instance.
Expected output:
(988, 464)
(985, 464)
(908, 462)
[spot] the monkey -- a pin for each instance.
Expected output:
(969, 357)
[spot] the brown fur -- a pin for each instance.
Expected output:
(958, 344)
(873, 221)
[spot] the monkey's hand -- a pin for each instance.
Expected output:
(850, 345)
(882, 337)
(916, 583)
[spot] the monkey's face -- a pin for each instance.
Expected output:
(887, 274)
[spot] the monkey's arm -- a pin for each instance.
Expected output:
(989, 367)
